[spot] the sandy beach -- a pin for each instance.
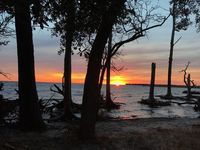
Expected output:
(138, 134)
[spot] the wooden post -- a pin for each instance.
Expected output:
(151, 92)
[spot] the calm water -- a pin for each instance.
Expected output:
(128, 94)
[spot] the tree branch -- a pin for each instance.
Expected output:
(177, 41)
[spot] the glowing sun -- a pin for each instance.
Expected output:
(117, 80)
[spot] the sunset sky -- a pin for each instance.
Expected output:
(136, 58)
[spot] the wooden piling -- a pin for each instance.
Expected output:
(189, 86)
(152, 84)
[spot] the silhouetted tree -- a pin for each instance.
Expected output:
(109, 102)
(29, 117)
(70, 29)
(109, 66)
(180, 21)
(188, 81)
(75, 31)
(63, 13)
(91, 86)
(134, 26)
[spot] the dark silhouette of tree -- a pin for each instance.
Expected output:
(169, 93)
(63, 13)
(109, 103)
(29, 117)
(74, 30)
(110, 66)
(91, 86)
(180, 21)
(70, 29)
(188, 81)
(133, 29)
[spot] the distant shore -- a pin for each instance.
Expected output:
(131, 84)
(159, 85)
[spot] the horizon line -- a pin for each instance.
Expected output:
(143, 84)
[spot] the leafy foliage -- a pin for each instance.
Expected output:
(5, 30)
(7, 13)
(183, 11)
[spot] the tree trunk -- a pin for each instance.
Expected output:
(152, 84)
(70, 28)
(169, 93)
(91, 86)
(109, 101)
(103, 70)
(29, 115)
(67, 84)
(189, 87)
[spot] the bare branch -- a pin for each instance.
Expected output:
(185, 73)
(6, 75)
(58, 89)
(136, 36)
(177, 41)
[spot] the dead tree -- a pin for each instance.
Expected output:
(188, 82)
(151, 101)
(174, 15)
(153, 73)
(180, 21)
(133, 31)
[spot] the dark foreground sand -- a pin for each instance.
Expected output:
(139, 134)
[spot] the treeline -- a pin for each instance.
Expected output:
(95, 29)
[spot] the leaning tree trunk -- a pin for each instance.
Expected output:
(70, 28)
(29, 115)
(169, 93)
(91, 86)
